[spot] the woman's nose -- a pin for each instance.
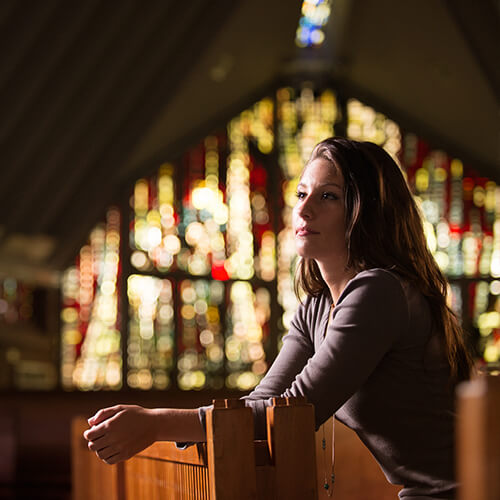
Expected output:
(305, 209)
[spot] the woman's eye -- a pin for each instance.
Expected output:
(300, 195)
(329, 196)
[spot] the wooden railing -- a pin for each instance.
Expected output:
(478, 439)
(229, 466)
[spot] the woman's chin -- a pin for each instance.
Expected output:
(305, 253)
(301, 252)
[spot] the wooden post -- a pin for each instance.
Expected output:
(231, 455)
(290, 431)
(92, 479)
(478, 439)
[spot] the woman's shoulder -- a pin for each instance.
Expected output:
(386, 289)
(377, 285)
(377, 288)
(377, 279)
(380, 274)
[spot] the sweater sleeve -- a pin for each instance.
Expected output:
(369, 316)
(297, 348)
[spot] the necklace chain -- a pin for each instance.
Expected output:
(327, 485)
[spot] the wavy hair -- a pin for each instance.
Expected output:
(384, 229)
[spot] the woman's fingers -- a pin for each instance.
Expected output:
(98, 445)
(114, 458)
(104, 414)
(100, 422)
(111, 454)
(96, 432)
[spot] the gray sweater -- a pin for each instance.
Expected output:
(380, 369)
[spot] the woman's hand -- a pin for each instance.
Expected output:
(119, 432)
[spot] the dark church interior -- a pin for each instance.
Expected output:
(143, 261)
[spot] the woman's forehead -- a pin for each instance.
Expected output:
(322, 170)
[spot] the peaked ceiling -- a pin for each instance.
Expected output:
(94, 93)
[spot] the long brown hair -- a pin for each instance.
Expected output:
(384, 229)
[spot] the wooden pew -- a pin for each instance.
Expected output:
(91, 478)
(230, 465)
(478, 439)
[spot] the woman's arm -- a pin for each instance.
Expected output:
(370, 315)
(119, 432)
(369, 318)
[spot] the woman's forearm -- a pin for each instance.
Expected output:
(119, 432)
(179, 425)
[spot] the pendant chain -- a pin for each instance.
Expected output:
(327, 485)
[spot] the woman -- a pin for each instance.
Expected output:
(373, 342)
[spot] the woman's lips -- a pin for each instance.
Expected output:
(305, 232)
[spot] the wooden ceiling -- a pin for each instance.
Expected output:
(94, 93)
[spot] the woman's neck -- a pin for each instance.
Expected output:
(336, 278)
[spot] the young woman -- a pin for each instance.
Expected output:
(373, 342)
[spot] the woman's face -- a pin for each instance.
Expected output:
(318, 216)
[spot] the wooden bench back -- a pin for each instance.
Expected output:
(91, 478)
(478, 439)
(230, 465)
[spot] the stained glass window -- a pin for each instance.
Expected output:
(311, 28)
(150, 348)
(366, 124)
(247, 331)
(204, 213)
(201, 342)
(250, 235)
(154, 233)
(484, 258)
(201, 222)
(487, 319)
(91, 339)
(211, 251)
(460, 212)
(459, 209)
